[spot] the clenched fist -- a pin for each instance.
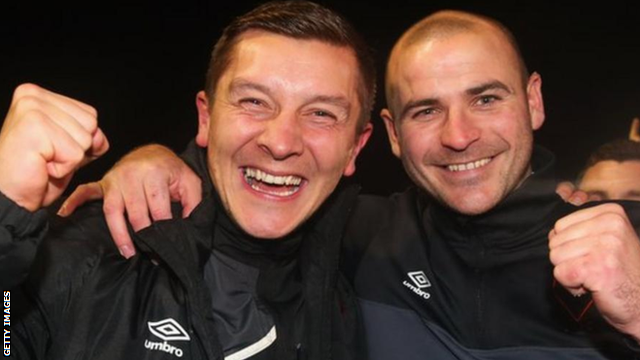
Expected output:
(597, 250)
(44, 139)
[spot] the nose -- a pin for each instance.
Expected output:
(282, 137)
(459, 131)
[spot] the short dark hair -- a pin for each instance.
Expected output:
(616, 150)
(299, 20)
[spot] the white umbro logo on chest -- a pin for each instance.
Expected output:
(419, 281)
(167, 330)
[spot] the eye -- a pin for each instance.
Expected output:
(323, 113)
(486, 100)
(424, 113)
(252, 102)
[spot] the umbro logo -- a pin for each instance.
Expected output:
(167, 330)
(420, 281)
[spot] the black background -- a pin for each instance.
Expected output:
(141, 65)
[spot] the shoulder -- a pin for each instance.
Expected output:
(372, 213)
(373, 218)
(73, 248)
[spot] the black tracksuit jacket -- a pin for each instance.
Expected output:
(82, 300)
(434, 284)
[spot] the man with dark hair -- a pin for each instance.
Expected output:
(253, 272)
(612, 172)
(481, 259)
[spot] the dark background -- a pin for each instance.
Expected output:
(141, 65)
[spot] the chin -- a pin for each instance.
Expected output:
(270, 232)
(472, 206)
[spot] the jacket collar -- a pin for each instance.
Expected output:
(510, 230)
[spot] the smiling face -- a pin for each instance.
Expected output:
(461, 118)
(281, 131)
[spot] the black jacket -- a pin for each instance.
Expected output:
(84, 301)
(435, 284)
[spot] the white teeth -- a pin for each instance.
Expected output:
(469, 166)
(262, 176)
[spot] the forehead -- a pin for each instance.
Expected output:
(606, 171)
(454, 63)
(304, 66)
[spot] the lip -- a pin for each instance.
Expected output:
(271, 196)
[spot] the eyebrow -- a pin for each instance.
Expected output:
(242, 84)
(492, 85)
(339, 101)
(634, 193)
(417, 103)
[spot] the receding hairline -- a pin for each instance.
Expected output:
(445, 24)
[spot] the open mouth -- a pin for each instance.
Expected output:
(470, 165)
(276, 185)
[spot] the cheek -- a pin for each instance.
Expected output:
(415, 143)
(232, 135)
(330, 153)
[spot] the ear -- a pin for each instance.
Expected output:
(392, 132)
(534, 97)
(362, 140)
(204, 118)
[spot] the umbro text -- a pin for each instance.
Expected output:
(419, 292)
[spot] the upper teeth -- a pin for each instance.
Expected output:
(272, 179)
(469, 166)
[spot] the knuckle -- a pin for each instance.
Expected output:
(111, 208)
(27, 104)
(159, 212)
(617, 221)
(614, 208)
(611, 246)
(93, 112)
(26, 89)
(91, 120)
(137, 218)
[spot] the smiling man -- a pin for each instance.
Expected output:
(252, 273)
(476, 262)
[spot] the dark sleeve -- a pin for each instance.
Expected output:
(21, 232)
(66, 257)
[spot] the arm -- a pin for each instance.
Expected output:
(142, 183)
(597, 250)
(45, 137)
